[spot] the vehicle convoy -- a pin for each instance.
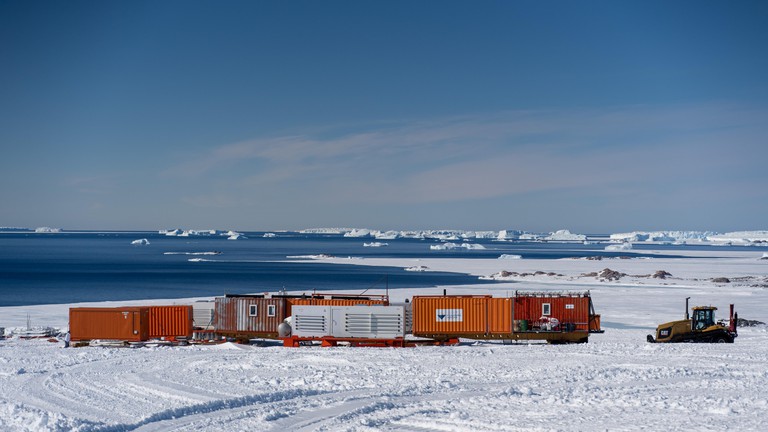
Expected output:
(702, 328)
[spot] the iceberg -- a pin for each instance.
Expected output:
(375, 244)
(741, 238)
(510, 257)
(449, 246)
(565, 235)
(359, 233)
(324, 230)
(509, 235)
(619, 247)
(389, 235)
(140, 242)
(47, 230)
(661, 236)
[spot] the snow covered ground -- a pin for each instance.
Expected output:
(615, 382)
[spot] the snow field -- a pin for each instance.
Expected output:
(616, 382)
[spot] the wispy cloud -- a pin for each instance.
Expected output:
(492, 155)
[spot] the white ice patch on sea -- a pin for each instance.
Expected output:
(449, 246)
(419, 268)
(619, 247)
(140, 242)
(313, 257)
(193, 253)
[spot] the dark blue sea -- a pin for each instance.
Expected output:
(90, 267)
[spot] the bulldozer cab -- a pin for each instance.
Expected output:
(703, 317)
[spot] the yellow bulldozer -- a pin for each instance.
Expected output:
(702, 328)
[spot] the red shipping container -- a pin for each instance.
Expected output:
(566, 309)
(170, 321)
(121, 323)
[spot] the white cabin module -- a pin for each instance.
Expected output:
(373, 322)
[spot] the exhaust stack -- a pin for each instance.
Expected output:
(732, 321)
(686, 308)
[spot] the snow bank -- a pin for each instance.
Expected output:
(615, 380)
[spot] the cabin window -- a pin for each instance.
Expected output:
(253, 310)
(271, 310)
(546, 309)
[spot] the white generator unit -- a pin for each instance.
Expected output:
(370, 322)
(202, 314)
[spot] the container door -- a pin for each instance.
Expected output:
(500, 315)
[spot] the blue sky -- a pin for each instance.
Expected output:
(592, 116)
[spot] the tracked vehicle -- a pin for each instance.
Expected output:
(701, 328)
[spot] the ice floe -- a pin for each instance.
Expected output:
(619, 247)
(449, 246)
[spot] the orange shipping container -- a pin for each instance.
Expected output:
(170, 321)
(334, 302)
(122, 323)
(500, 315)
(459, 315)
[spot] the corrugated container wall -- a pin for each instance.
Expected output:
(333, 302)
(567, 309)
(249, 316)
(460, 315)
(170, 321)
(500, 315)
(123, 323)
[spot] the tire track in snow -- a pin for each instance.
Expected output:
(173, 419)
